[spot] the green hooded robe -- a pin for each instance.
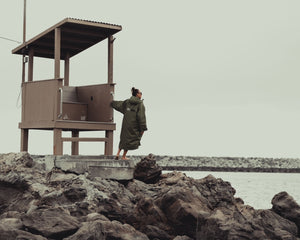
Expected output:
(134, 122)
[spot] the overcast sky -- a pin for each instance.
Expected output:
(219, 78)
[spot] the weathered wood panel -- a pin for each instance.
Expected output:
(98, 98)
(40, 100)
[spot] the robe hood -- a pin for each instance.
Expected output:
(135, 100)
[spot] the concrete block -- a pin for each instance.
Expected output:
(116, 173)
(104, 167)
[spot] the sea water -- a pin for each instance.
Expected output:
(257, 189)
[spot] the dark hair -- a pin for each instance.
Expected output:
(134, 91)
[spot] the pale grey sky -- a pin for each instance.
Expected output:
(219, 78)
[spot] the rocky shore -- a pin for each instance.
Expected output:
(40, 204)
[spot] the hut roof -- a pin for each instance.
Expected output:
(76, 36)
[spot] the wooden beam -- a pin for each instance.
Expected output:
(110, 59)
(75, 144)
(30, 65)
(48, 53)
(84, 125)
(23, 96)
(109, 143)
(57, 100)
(57, 142)
(23, 68)
(24, 140)
(42, 125)
(78, 139)
(67, 70)
(57, 45)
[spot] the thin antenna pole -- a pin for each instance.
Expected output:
(24, 40)
(24, 22)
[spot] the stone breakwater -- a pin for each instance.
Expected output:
(235, 164)
(41, 204)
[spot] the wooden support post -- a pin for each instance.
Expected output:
(30, 65)
(67, 70)
(23, 96)
(57, 53)
(109, 143)
(57, 142)
(75, 145)
(24, 140)
(23, 68)
(111, 111)
(110, 59)
(109, 134)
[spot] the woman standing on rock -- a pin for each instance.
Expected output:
(134, 122)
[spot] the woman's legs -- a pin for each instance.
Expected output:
(124, 155)
(118, 154)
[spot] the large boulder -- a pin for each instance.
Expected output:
(13, 192)
(287, 207)
(12, 233)
(275, 226)
(15, 223)
(183, 210)
(154, 232)
(102, 230)
(53, 223)
(147, 170)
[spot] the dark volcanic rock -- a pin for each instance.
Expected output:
(11, 234)
(147, 170)
(54, 223)
(182, 238)
(276, 226)
(102, 230)
(75, 194)
(234, 224)
(89, 230)
(38, 205)
(154, 232)
(13, 192)
(14, 223)
(286, 206)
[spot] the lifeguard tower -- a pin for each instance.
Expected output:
(53, 104)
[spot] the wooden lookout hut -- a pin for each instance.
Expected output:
(53, 104)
